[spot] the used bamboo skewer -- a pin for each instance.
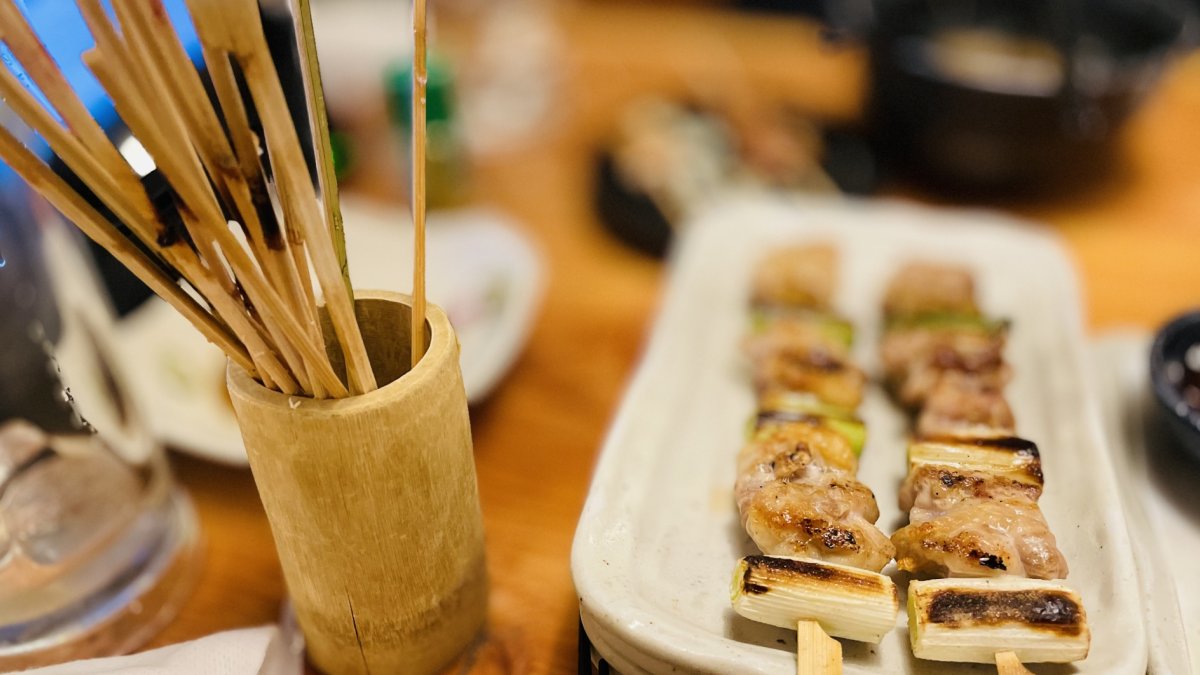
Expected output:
(296, 191)
(314, 94)
(96, 227)
(254, 296)
(1007, 663)
(419, 81)
(816, 652)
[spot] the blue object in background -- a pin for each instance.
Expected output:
(66, 36)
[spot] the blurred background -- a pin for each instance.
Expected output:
(571, 141)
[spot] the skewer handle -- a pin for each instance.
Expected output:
(1007, 663)
(816, 652)
(420, 75)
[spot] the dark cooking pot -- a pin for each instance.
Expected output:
(999, 94)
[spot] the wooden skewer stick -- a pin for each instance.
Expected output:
(419, 81)
(132, 206)
(186, 170)
(164, 136)
(1007, 663)
(293, 258)
(99, 229)
(222, 165)
(318, 120)
(218, 48)
(137, 115)
(241, 21)
(216, 152)
(173, 152)
(816, 652)
(35, 58)
(198, 273)
(104, 177)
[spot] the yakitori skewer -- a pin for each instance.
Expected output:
(796, 490)
(251, 292)
(972, 487)
(419, 80)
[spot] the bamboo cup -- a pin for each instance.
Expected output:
(373, 502)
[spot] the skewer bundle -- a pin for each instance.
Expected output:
(972, 487)
(246, 230)
(797, 493)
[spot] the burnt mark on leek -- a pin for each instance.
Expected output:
(765, 568)
(1050, 610)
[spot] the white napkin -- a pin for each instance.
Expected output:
(250, 651)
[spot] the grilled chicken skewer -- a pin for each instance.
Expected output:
(796, 490)
(972, 486)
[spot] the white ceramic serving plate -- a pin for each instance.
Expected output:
(1159, 482)
(659, 534)
(481, 270)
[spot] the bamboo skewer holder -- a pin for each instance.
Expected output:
(373, 502)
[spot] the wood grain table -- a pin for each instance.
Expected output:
(1135, 237)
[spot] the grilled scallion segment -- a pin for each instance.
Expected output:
(828, 326)
(848, 602)
(853, 429)
(1013, 458)
(970, 620)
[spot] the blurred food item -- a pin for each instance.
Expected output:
(992, 60)
(668, 159)
(511, 57)
(796, 275)
(673, 154)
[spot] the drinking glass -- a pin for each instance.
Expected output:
(97, 544)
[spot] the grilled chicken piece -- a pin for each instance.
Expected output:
(799, 276)
(924, 288)
(965, 406)
(931, 490)
(979, 538)
(915, 358)
(797, 495)
(796, 355)
(797, 332)
(790, 444)
(819, 519)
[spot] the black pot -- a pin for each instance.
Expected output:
(1000, 94)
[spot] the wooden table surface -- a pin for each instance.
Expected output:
(1134, 237)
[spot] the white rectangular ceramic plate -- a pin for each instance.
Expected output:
(659, 534)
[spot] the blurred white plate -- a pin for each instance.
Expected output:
(481, 270)
(659, 534)
(1159, 483)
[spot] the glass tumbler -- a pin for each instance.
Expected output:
(98, 547)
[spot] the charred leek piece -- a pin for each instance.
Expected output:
(833, 327)
(853, 430)
(1013, 458)
(971, 620)
(947, 321)
(846, 601)
(781, 400)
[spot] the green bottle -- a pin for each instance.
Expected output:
(445, 162)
